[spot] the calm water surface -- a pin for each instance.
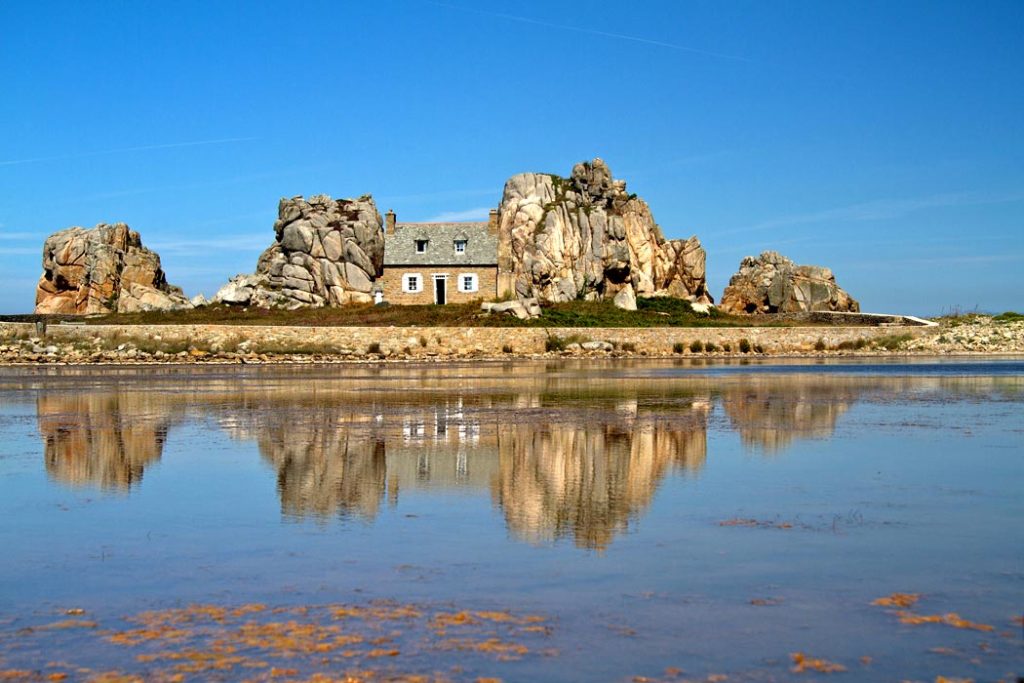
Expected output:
(526, 521)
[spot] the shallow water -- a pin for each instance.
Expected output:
(527, 520)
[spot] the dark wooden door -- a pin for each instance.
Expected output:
(440, 290)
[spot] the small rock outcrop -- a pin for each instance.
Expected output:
(586, 237)
(771, 283)
(104, 269)
(524, 309)
(327, 252)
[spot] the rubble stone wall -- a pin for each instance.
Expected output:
(486, 341)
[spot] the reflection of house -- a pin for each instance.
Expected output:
(439, 263)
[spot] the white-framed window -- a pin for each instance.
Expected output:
(412, 283)
(421, 246)
(468, 282)
(460, 246)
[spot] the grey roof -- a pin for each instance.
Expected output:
(481, 245)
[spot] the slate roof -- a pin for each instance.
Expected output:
(481, 245)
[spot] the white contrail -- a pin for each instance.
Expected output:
(142, 148)
(590, 31)
(16, 236)
(882, 209)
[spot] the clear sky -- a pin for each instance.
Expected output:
(881, 139)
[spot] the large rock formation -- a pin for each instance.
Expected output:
(103, 270)
(771, 283)
(326, 252)
(586, 237)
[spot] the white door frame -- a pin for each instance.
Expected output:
(443, 277)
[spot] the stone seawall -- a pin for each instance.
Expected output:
(451, 341)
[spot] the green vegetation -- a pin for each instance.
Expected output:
(557, 343)
(892, 342)
(710, 347)
(1009, 317)
(850, 345)
(678, 347)
(744, 345)
(819, 345)
(653, 312)
(696, 346)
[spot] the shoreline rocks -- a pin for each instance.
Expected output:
(104, 269)
(772, 283)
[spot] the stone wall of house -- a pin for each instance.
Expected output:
(466, 341)
(391, 280)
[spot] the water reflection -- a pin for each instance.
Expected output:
(560, 456)
(106, 440)
(770, 413)
(588, 480)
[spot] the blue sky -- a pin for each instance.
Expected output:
(881, 139)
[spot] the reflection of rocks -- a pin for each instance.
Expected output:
(588, 480)
(772, 413)
(562, 457)
(99, 439)
(331, 474)
(323, 466)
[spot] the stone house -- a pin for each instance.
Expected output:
(438, 263)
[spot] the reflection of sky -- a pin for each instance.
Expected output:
(914, 486)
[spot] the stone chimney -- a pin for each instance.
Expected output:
(492, 222)
(389, 222)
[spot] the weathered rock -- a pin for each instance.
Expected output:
(522, 309)
(771, 283)
(625, 299)
(511, 307)
(703, 309)
(532, 306)
(104, 269)
(586, 237)
(327, 252)
(238, 290)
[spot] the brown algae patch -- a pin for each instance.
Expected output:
(904, 601)
(803, 663)
(950, 619)
(380, 641)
